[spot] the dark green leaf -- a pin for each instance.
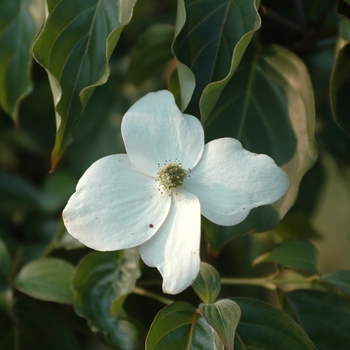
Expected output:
(57, 188)
(207, 284)
(151, 53)
(64, 240)
(297, 225)
(5, 260)
(180, 326)
(74, 47)
(223, 316)
(269, 106)
(340, 87)
(20, 22)
(344, 8)
(324, 317)
(340, 279)
(94, 137)
(210, 40)
(296, 254)
(35, 326)
(102, 279)
(265, 327)
(18, 194)
(46, 279)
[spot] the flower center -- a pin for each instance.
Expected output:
(171, 175)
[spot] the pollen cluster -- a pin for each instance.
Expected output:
(171, 175)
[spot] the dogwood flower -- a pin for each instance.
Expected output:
(153, 196)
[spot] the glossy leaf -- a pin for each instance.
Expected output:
(151, 53)
(104, 279)
(223, 316)
(46, 279)
(263, 326)
(207, 284)
(296, 254)
(74, 47)
(180, 326)
(340, 279)
(20, 22)
(269, 106)
(340, 86)
(324, 317)
(210, 40)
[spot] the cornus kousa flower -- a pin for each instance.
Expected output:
(153, 196)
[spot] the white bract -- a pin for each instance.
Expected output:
(153, 196)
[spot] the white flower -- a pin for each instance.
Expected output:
(152, 197)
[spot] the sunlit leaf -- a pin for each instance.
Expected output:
(180, 326)
(324, 317)
(210, 40)
(102, 279)
(20, 21)
(151, 53)
(223, 316)
(74, 47)
(262, 324)
(207, 284)
(296, 254)
(269, 106)
(46, 279)
(340, 279)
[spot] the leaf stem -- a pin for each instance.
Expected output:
(51, 246)
(267, 282)
(144, 292)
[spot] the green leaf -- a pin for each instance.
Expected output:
(340, 279)
(5, 260)
(35, 325)
(180, 326)
(46, 279)
(269, 106)
(223, 316)
(182, 81)
(210, 40)
(340, 85)
(20, 21)
(18, 194)
(151, 53)
(64, 240)
(57, 188)
(207, 284)
(297, 225)
(74, 47)
(101, 280)
(296, 254)
(324, 317)
(263, 326)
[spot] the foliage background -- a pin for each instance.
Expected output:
(272, 113)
